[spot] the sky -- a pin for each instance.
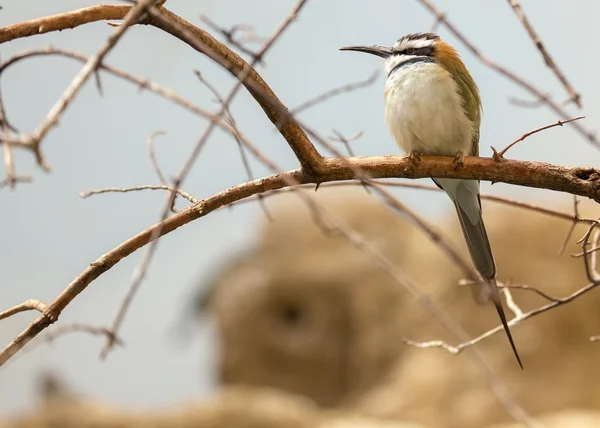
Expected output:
(48, 234)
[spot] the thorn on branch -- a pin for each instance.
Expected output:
(496, 157)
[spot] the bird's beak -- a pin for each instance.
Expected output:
(382, 51)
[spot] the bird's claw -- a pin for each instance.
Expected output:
(413, 156)
(459, 160)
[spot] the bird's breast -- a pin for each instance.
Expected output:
(424, 111)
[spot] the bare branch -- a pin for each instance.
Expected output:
(510, 302)
(11, 176)
(346, 140)
(535, 131)
(61, 330)
(150, 143)
(516, 7)
(572, 228)
(52, 119)
(203, 42)
(141, 83)
(27, 305)
(230, 34)
(63, 21)
(237, 136)
(530, 288)
(513, 322)
(335, 92)
(16, 179)
(137, 189)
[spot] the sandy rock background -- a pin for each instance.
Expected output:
(311, 329)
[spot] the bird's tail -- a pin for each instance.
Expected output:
(483, 259)
(478, 245)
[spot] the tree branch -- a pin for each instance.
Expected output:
(580, 181)
(203, 42)
(516, 7)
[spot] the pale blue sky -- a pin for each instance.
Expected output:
(49, 235)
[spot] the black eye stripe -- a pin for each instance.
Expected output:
(425, 51)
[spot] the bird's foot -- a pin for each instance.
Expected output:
(413, 156)
(459, 160)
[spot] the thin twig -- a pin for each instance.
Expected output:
(141, 83)
(11, 175)
(137, 189)
(501, 153)
(228, 34)
(335, 92)
(591, 266)
(150, 143)
(161, 177)
(563, 247)
(61, 330)
(16, 179)
(27, 305)
(530, 288)
(52, 119)
(346, 140)
(510, 302)
(513, 322)
(516, 7)
(237, 136)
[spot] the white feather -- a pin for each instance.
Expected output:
(412, 43)
(424, 110)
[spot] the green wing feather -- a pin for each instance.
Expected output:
(472, 103)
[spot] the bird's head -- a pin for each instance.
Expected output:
(428, 48)
(414, 48)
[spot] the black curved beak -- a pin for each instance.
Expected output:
(381, 51)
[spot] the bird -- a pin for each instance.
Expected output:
(433, 108)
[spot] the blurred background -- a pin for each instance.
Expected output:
(180, 333)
